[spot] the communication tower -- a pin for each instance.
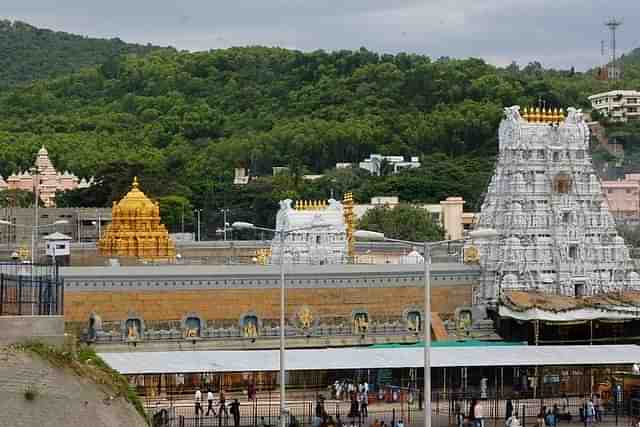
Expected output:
(613, 70)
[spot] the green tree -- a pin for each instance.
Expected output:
(17, 199)
(404, 222)
(174, 209)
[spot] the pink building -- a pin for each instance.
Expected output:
(49, 180)
(623, 196)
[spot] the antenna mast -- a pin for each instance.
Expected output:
(613, 71)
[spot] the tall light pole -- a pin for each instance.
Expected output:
(225, 211)
(282, 236)
(373, 235)
(197, 211)
(35, 176)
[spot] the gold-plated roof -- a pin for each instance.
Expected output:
(136, 229)
(135, 199)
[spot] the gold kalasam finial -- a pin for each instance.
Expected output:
(525, 114)
(534, 115)
(545, 115)
(561, 115)
(135, 182)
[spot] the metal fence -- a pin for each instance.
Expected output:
(28, 290)
(445, 409)
(267, 415)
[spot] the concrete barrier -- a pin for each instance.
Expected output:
(46, 329)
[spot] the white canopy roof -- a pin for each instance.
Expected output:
(141, 362)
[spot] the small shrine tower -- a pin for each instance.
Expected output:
(136, 230)
(322, 245)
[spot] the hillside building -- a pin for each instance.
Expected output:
(623, 197)
(45, 179)
(617, 105)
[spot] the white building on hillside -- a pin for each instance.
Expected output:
(375, 163)
(618, 105)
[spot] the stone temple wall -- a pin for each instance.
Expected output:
(545, 200)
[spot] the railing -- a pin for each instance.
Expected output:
(28, 290)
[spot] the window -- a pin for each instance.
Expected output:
(562, 183)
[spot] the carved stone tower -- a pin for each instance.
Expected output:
(556, 233)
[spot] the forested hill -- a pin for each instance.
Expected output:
(28, 53)
(183, 121)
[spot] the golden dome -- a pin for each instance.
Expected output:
(136, 202)
(136, 229)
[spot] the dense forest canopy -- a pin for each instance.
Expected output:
(182, 121)
(28, 53)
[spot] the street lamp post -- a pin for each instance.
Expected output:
(198, 211)
(282, 236)
(373, 235)
(225, 211)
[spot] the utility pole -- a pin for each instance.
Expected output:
(224, 225)
(36, 196)
(612, 71)
(197, 211)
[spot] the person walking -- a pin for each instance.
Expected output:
(459, 415)
(478, 414)
(364, 405)
(210, 404)
(222, 405)
(589, 413)
(513, 421)
(234, 408)
(509, 410)
(596, 407)
(197, 402)
(556, 413)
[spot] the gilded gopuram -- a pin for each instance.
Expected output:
(136, 230)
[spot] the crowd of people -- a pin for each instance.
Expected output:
(590, 412)
(233, 408)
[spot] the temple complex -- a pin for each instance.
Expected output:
(330, 243)
(49, 181)
(558, 240)
(136, 230)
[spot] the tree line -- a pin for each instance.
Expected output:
(183, 121)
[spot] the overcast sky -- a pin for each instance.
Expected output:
(558, 33)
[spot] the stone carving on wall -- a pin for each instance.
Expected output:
(305, 318)
(191, 325)
(464, 320)
(413, 319)
(360, 322)
(133, 328)
(95, 326)
(250, 325)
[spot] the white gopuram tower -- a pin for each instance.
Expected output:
(556, 233)
(323, 245)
